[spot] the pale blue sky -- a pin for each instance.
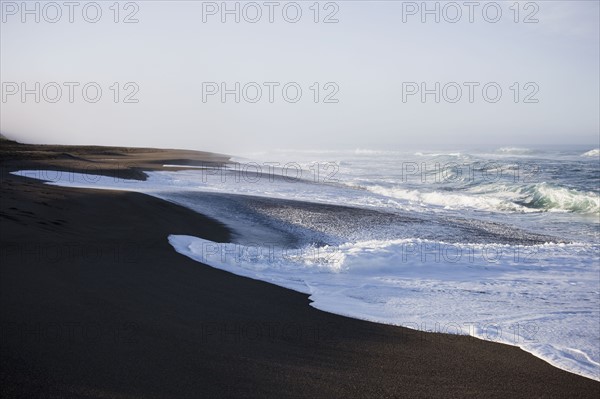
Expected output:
(369, 53)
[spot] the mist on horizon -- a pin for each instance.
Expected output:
(341, 75)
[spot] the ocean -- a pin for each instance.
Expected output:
(500, 244)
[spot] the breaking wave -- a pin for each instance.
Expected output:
(592, 153)
(539, 197)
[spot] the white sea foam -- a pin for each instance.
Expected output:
(595, 153)
(497, 202)
(528, 302)
(514, 150)
(546, 196)
(539, 197)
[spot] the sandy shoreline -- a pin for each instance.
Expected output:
(96, 303)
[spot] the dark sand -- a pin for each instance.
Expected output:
(95, 303)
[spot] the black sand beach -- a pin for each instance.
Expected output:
(95, 303)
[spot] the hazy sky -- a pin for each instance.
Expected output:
(375, 60)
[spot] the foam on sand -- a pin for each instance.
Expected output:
(525, 304)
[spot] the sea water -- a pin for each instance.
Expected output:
(502, 244)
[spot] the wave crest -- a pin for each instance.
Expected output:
(539, 197)
(514, 150)
(544, 196)
(592, 153)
